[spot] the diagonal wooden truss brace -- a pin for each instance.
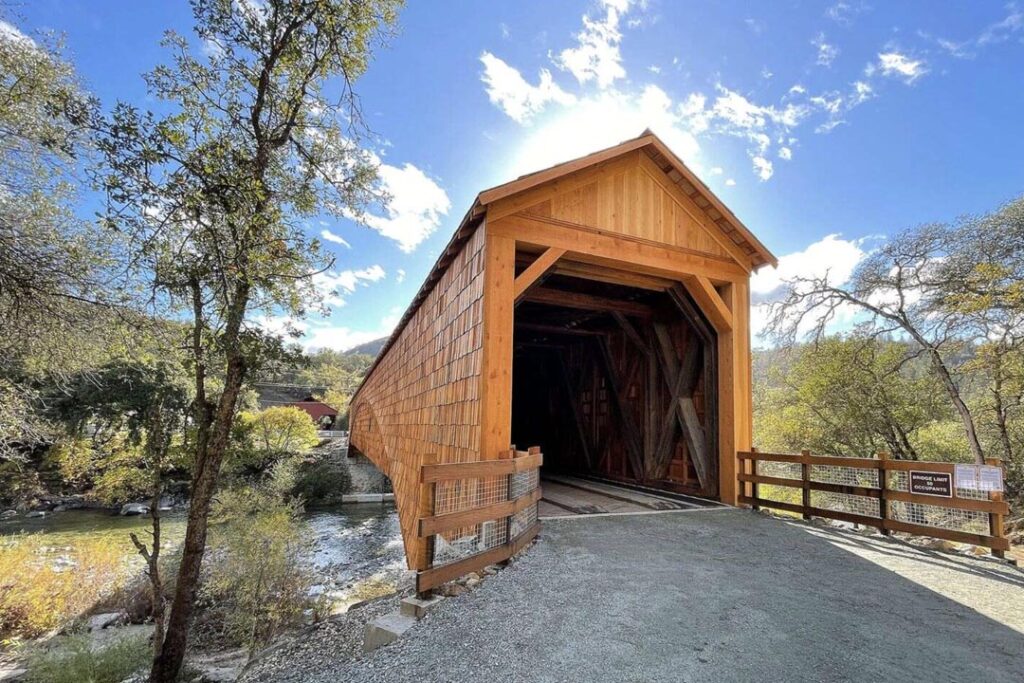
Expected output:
(536, 270)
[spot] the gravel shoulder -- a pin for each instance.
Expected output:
(718, 595)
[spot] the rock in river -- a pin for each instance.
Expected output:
(134, 509)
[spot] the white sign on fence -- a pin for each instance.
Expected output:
(979, 478)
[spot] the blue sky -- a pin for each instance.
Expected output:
(824, 125)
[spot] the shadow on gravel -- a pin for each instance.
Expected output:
(717, 596)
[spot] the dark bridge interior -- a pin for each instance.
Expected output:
(617, 381)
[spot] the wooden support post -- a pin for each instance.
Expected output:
(995, 520)
(805, 475)
(426, 509)
(752, 469)
(496, 361)
(883, 489)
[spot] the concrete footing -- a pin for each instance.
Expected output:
(417, 608)
(386, 629)
(367, 497)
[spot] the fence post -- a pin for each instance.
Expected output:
(752, 469)
(883, 487)
(995, 520)
(428, 496)
(805, 475)
(508, 496)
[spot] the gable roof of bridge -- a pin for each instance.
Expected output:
(649, 143)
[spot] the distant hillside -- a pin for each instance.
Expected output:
(371, 348)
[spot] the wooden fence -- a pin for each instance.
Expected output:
(477, 513)
(876, 492)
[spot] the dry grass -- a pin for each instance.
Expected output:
(44, 587)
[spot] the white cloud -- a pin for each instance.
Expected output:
(10, 33)
(763, 168)
(335, 285)
(508, 90)
(827, 52)
(400, 276)
(897, 65)
(717, 170)
(342, 338)
(1002, 30)
(596, 56)
(832, 256)
(281, 325)
(415, 207)
(730, 182)
(785, 153)
(334, 237)
(843, 12)
(602, 120)
(754, 25)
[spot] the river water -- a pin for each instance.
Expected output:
(356, 551)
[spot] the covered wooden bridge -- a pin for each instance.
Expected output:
(596, 312)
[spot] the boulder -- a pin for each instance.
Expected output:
(7, 514)
(98, 622)
(35, 514)
(134, 509)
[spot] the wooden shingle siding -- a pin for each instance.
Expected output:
(423, 398)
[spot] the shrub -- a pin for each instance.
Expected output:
(263, 438)
(43, 587)
(322, 481)
(78, 663)
(257, 585)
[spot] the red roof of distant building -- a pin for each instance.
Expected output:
(316, 409)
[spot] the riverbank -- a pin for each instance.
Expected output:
(354, 553)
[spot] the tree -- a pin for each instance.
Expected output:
(142, 406)
(284, 429)
(50, 259)
(851, 396)
(945, 288)
(212, 195)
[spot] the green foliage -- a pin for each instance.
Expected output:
(322, 481)
(123, 427)
(257, 585)
(284, 429)
(853, 396)
(77, 662)
(269, 436)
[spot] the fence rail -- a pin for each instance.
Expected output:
(875, 492)
(477, 513)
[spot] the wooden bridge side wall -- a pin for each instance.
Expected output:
(423, 398)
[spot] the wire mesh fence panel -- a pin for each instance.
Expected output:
(783, 470)
(941, 517)
(524, 482)
(523, 520)
(452, 546)
(847, 476)
(465, 495)
(933, 506)
(845, 502)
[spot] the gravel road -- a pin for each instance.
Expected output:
(718, 595)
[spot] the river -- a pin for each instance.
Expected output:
(356, 551)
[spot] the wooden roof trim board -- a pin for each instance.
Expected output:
(649, 144)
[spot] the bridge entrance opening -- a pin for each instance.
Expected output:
(615, 378)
